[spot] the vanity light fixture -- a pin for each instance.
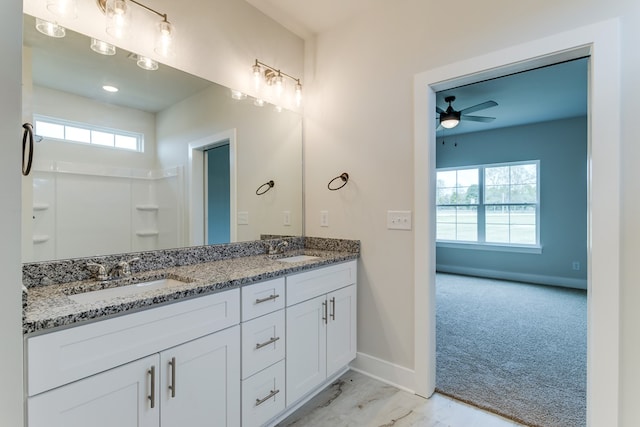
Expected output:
(258, 102)
(103, 48)
(50, 29)
(118, 13)
(274, 77)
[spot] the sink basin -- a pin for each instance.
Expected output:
(126, 290)
(298, 258)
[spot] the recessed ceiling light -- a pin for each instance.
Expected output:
(109, 88)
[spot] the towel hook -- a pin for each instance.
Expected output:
(343, 176)
(265, 187)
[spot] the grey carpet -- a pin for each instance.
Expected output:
(515, 349)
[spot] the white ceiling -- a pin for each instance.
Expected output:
(306, 18)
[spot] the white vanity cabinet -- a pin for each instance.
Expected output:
(263, 351)
(177, 364)
(321, 326)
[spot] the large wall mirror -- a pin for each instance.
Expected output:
(203, 156)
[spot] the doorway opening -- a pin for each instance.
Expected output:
(601, 43)
(198, 187)
(217, 195)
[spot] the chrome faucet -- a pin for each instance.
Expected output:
(278, 249)
(120, 270)
(101, 273)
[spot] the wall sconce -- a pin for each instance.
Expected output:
(274, 77)
(118, 13)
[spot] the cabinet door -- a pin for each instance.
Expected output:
(306, 347)
(201, 381)
(341, 329)
(118, 397)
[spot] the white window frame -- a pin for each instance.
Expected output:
(481, 243)
(139, 137)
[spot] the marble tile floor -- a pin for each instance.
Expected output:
(356, 400)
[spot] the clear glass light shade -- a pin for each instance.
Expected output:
(165, 34)
(257, 76)
(103, 48)
(50, 29)
(236, 94)
(449, 123)
(298, 94)
(118, 13)
(147, 63)
(258, 102)
(279, 84)
(63, 8)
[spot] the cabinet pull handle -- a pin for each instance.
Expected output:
(152, 396)
(172, 386)
(324, 308)
(266, 343)
(333, 308)
(269, 396)
(269, 298)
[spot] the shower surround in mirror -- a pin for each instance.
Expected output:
(81, 210)
(84, 200)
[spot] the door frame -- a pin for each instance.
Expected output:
(196, 171)
(601, 42)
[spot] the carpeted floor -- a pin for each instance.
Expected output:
(515, 349)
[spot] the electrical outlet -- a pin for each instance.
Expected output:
(324, 218)
(286, 218)
(399, 220)
(575, 265)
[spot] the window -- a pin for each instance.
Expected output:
(84, 133)
(489, 204)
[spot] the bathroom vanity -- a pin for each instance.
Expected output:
(243, 340)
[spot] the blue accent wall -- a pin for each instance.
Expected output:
(218, 195)
(561, 147)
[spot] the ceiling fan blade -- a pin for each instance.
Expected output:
(479, 107)
(477, 119)
(439, 110)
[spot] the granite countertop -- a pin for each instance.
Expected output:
(50, 306)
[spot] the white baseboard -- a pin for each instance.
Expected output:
(539, 279)
(390, 373)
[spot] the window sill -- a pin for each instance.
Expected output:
(529, 249)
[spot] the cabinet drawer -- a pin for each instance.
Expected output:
(262, 298)
(304, 286)
(263, 395)
(64, 356)
(263, 342)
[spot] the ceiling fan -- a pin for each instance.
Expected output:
(450, 118)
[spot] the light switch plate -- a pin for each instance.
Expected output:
(286, 218)
(399, 220)
(243, 218)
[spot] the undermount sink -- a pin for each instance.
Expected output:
(298, 258)
(125, 290)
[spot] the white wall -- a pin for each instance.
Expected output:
(359, 118)
(11, 392)
(630, 250)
